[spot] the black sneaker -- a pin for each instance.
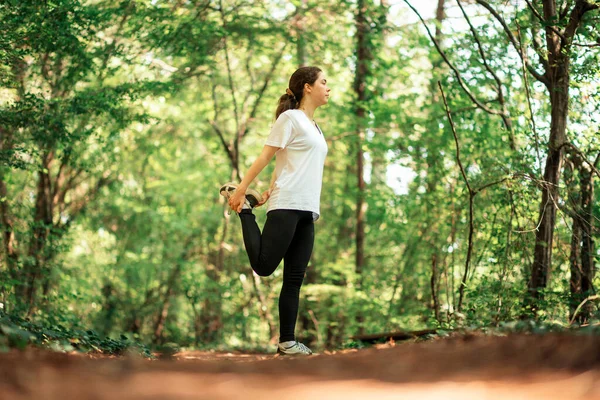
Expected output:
(253, 198)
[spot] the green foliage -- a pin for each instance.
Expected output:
(17, 332)
(119, 121)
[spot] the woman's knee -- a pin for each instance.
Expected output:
(264, 270)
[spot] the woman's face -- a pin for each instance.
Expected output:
(319, 91)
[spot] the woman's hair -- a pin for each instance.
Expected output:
(293, 96)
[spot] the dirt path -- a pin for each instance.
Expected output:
(516, 367)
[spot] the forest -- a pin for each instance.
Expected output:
(460, 189)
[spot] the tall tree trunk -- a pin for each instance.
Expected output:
(9, 245)
(109, 308)
(41, 229)
(582, 246)
(9, 241)
(587, 234)
(558, 82)
(575, 252)
(547, 214)
(369, 28)
(363, 59)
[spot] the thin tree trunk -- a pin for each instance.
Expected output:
(301, 58)
(506, 261)
(407, 257)
(170, 290)
(433, 165)
(434, 286)
(109, 308)
(449, 282)
(164, 308)
(137, 317)
(363, 57)
(211, 317)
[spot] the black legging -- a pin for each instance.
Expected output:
(287, 235)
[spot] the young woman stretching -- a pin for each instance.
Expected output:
(300, 149)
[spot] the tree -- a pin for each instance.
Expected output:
(61, 104)
(561, 27)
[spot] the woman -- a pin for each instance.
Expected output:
(300, 149)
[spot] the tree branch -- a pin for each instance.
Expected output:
(528, 93)
(456, 72)
(513, 41)
(249, 71)
(472, 194)
(229, 152)
(213, 123)
(581, 7)
(229, 74)
(108, 51)
(461, 290)
(538, 48)
(543, 21)
(78, 205)
(263, 89)
(584, 158)
(60, 176)
(487, 185)
(590, 45)
(504, 114)
(58, 198)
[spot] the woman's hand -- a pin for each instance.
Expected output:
(237, 200)
(265, 196)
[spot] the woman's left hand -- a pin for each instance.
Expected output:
(265, 196)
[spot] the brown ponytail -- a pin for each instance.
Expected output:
(293, 96)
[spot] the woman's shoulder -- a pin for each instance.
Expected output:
(292, 114)
(295, 116)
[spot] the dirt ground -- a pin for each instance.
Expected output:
(469, 367)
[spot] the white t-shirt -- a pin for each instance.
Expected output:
(299, 162)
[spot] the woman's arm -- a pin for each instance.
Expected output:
(267, 193)
(273, 178)
(236, 201)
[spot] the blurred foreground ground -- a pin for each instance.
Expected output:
(470, 367)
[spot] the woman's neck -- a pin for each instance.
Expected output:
(308, 109)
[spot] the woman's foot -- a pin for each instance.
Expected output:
(293, 348)
(253, 198)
